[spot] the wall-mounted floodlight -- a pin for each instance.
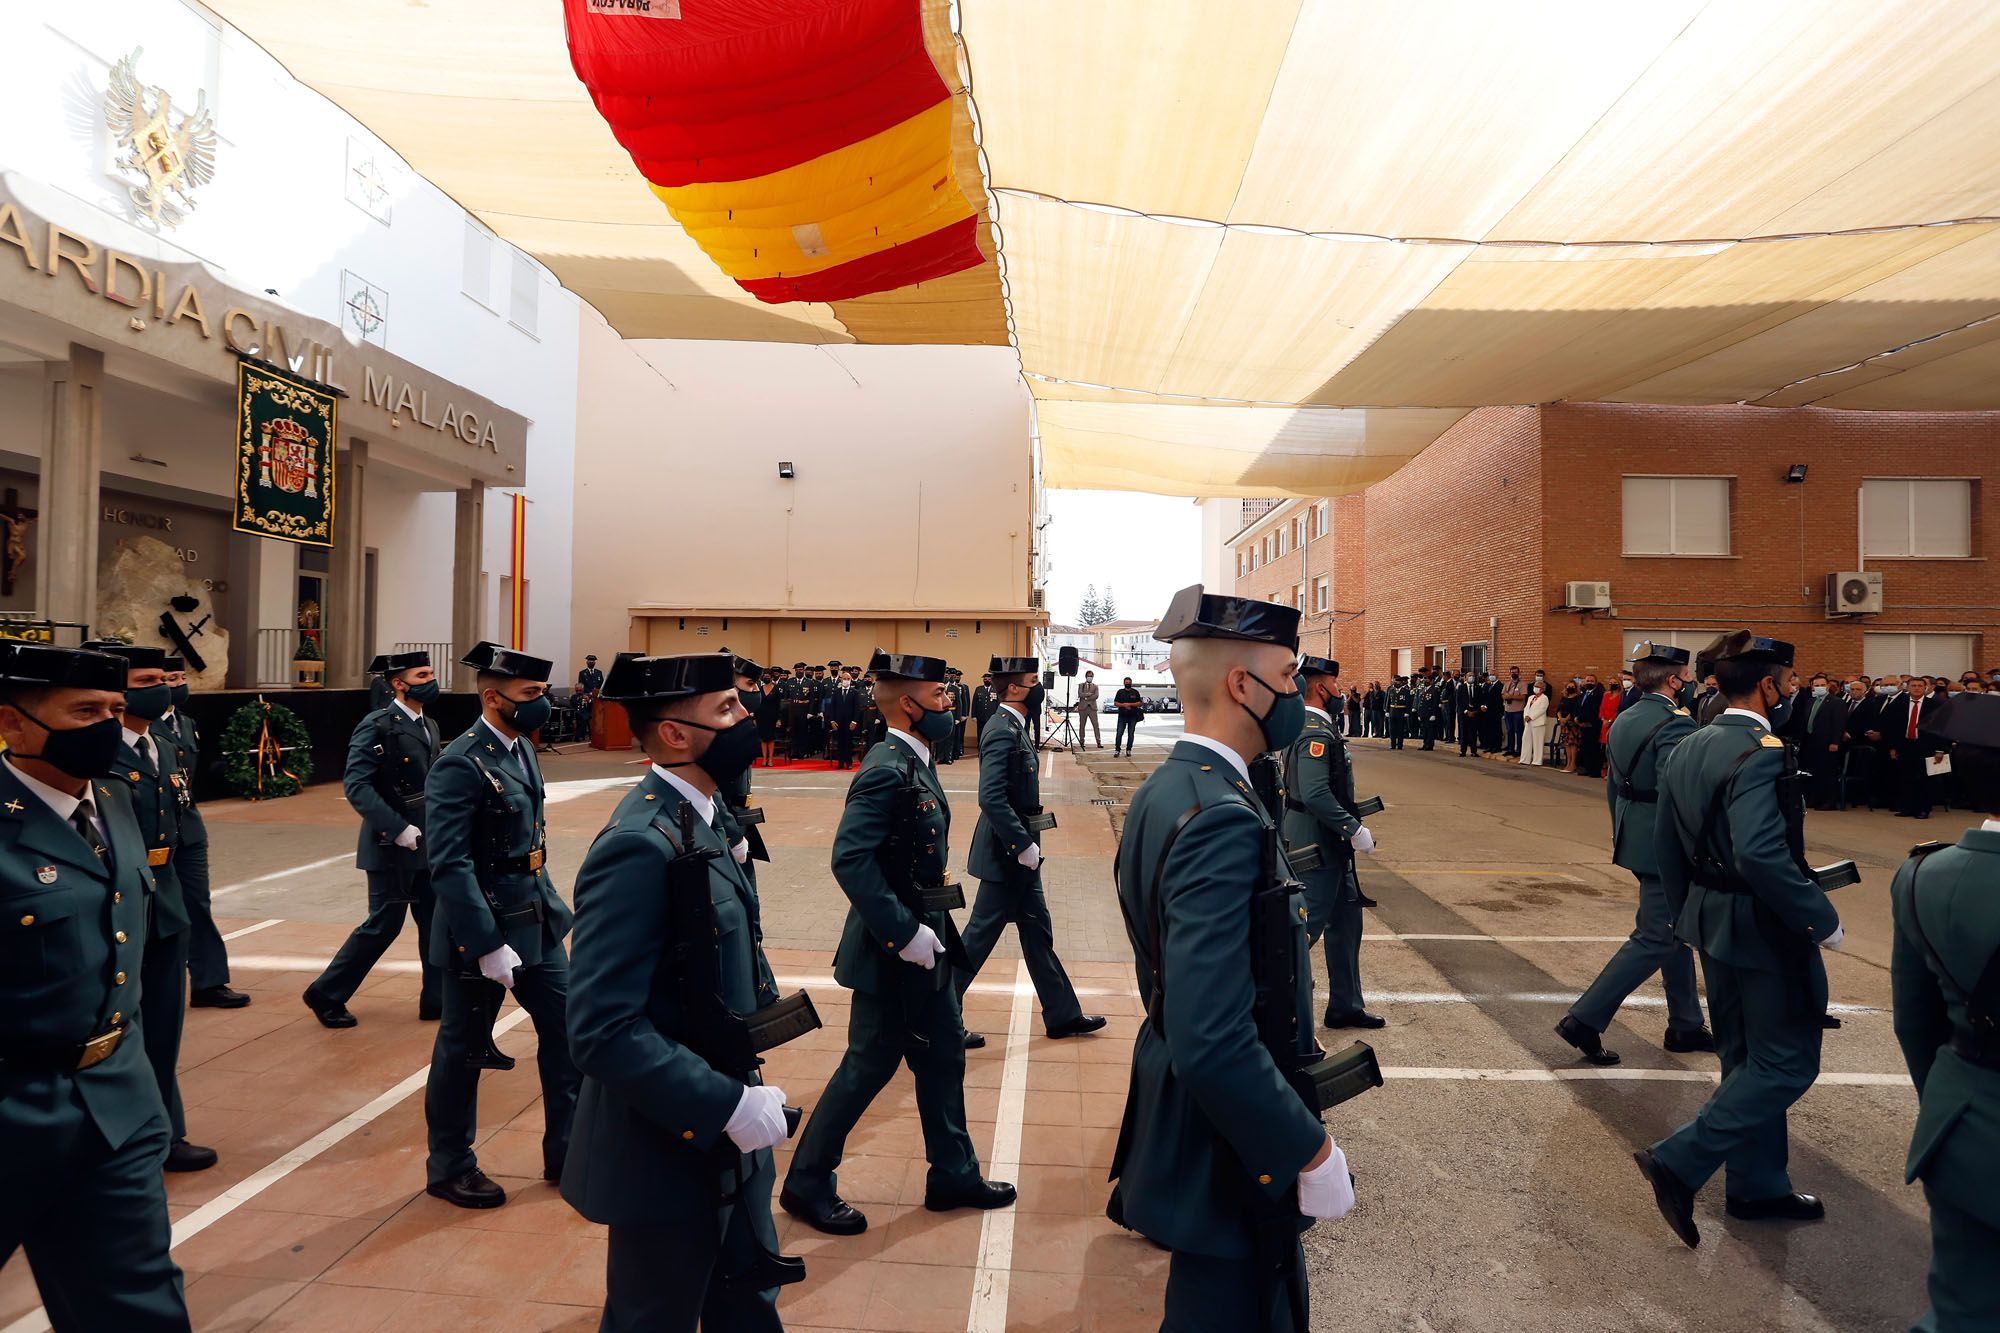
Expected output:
(787, 472)
(1795, 474)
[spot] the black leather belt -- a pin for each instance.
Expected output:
(1981, 1051)
(515, 865)
(66, 1058)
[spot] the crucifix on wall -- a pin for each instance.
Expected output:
(15, 553)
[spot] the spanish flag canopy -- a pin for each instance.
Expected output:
(805, 145)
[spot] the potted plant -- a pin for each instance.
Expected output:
(307, 659)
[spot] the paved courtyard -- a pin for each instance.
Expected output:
(1496, 1189)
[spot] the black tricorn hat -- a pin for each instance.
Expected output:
(1969, 719)
(394, 662)
(906, 666)
(636, 680)
(1319, 666)
(138, 656)
(1743, 646)
(492, 659)
(1664, 654)
(64, 668)
(174, 662)
(743, 665)
(1012, 666)
(1194, 614)
(377, 665)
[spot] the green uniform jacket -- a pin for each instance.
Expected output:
(1781, 922)
(1009, 787)
(466, 929)
(734, 799)
(1641, 739)
(179, 730)
(155, 801)
(1209, 1116)
(72, 937)
(1319, 775)
(877, 922)
(650, 1109)
(1956, 1148)
(388, 759)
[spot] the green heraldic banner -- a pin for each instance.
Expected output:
(284, 455)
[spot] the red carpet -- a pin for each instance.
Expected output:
(799, 766)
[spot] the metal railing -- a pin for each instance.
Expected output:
(441, 657)
(274, 658)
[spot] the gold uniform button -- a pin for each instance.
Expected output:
(117, 1018)
(1264, 1179)
(687, 1133)
(117, 897)
(120, 937)
(119, 979)
(28, 920)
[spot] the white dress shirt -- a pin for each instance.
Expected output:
(64, 804)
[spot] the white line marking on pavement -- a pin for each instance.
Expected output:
(1621, 1075)
(251, 930)
(227, 1202)
(1048, 766)
(320, 864)
(558, 792)
(991, 1279)
(1501, 939)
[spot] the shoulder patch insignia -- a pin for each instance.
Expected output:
(1770, 742)
(13, 807)
(1317, 749)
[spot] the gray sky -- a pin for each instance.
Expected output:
(1147, 547)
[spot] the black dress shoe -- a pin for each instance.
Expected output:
(1685, 1040)
(1671, 1193)
(429, 1013)
(1355, 1018)
(975, 1041)
(185, 1156)
(330, 1013)
(836, 1217)
(553, 1174)
(1784, 1208)
(1079, 1026)
(1366, 901)
(979, 1194)
(1586, 1040)
(217, 997)
(471, 1190)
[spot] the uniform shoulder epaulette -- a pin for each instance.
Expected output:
(1681, 712)
(1770, 742)
(1923, 849)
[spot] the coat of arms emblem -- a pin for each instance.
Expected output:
(169, 154)
(288, 458)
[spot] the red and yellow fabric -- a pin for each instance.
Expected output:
(805, 145)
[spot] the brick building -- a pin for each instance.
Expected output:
(1690, 515)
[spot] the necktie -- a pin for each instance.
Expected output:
(144, 745)
(1916, 712)
(86, 829)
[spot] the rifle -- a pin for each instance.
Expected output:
(915, 983)
(1036, 819)
(731, 1043)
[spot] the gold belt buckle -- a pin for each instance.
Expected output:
(158, 856)
(100, 1047)
(535, 858)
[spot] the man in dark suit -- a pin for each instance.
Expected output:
(1465, 701)
(1820, 723)
(1590, 729)
(1493, 721)
(1907, 744)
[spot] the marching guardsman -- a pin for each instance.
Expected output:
(891, 857)
(1746, 904)
(1006, 854)
(80, 1111)
(1401, 700)
(1641, 739)
(389, 758)
(741, 819)
(1319, 814)
(500, 923)
(674, 1126)
(208, 957)
(1944, 971)
(1220, 1159)
(379, 693)
(146, 766)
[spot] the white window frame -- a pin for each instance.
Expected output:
(1673, 524)
(1694, 640)
(477, 258)
(524, 293)
(1299, 537)
(1913, 537)
(1322, 594)
(1876, 642)
(1299, 597)
(1320, 518)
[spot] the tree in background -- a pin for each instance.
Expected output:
(1107, 606)
(1089, 612)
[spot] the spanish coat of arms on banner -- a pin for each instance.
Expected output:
(284, 455)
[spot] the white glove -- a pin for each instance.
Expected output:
(923, 949)
(407, 839)
(741, 851)
(1835, 940)
(1031, 856)
(499, 965)
(1363, 840)
(1327, 1190)
(758, 1120)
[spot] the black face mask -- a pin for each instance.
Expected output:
(178, 694)
(422, 694)
(729, 755)
(81, 752)
(1033, 703)
(149, 702)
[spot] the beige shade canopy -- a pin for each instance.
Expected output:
(1277, 248)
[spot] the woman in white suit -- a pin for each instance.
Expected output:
(1535, 728)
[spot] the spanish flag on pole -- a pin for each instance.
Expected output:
(517, 608)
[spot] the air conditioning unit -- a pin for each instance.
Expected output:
(1854, 593)
(1587, 596)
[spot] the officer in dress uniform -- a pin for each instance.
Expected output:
(208, 957)
(794, 692)
(145, 766)
(1429, 703)
(80, 1110)
(1944, 971)
(947, 750)
(500, 924)
(1215, 1138)
(1006, 855)
(1733, 878)
(1400, 701)
(843, 717)
(589, 684)
(1641, 740)
(891, 855)
(984, 701)
(379, 693)
(672, 1144)
(1319, 813)
(389, 758)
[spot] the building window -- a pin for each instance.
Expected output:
(1242, 564)
(1676, 516)
(1472, 657)
(1694, 640)
(1299, 531)
(477, 281)
(1299, 597)
(1319, 519)
(1322, 594)
(1399, 661)
(1912, 517)
(525, 296)
(1916, 654)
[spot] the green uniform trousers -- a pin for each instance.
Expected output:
(1342, 938)
(1019, 899)
(1650, 948)
(163, 982)
(93, 1220)
(876, 1044)
(451, 1095)
(673, 1278)
(208, 957)
(372, 938)
(1769, 1047)
(1965, 1297)
(1206, 1294)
